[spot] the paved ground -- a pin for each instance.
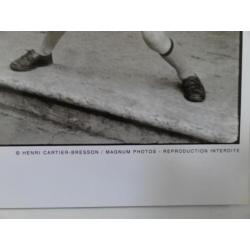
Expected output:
(91, 124)
(115, 73)
(20, 128)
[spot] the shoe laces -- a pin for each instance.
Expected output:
(193, 84)
(28, 56)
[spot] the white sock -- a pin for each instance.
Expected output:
(176, 58)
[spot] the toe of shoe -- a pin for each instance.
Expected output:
(18, 67)
(14, 67)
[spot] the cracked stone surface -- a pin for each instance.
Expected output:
(114, 72)
(120, 132)
(20, 128)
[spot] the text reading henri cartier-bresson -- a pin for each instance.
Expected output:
(116, 151)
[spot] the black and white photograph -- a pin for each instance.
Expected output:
(123, 118)
(124, 110)
(120, 87)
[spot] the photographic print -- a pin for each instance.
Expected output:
(150, 87)
(112, 119)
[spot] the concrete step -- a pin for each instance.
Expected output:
(115, 76)
(22, 128)
(92, 127)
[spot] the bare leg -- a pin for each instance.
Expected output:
(50, 41)
(162, 44)
(192, 87)
(41, 57)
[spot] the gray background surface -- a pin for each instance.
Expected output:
(239, 211)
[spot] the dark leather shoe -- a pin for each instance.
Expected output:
(193, 89)
(31, 60)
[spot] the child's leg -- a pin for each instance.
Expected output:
(41, 57)
(50, 41)
(169, 50)
(192, 87)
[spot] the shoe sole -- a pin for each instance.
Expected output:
(29, 69)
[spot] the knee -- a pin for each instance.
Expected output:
(157, 41)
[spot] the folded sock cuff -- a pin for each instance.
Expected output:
(170, 49)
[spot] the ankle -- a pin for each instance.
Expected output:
(185, 75)
(44, 52)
